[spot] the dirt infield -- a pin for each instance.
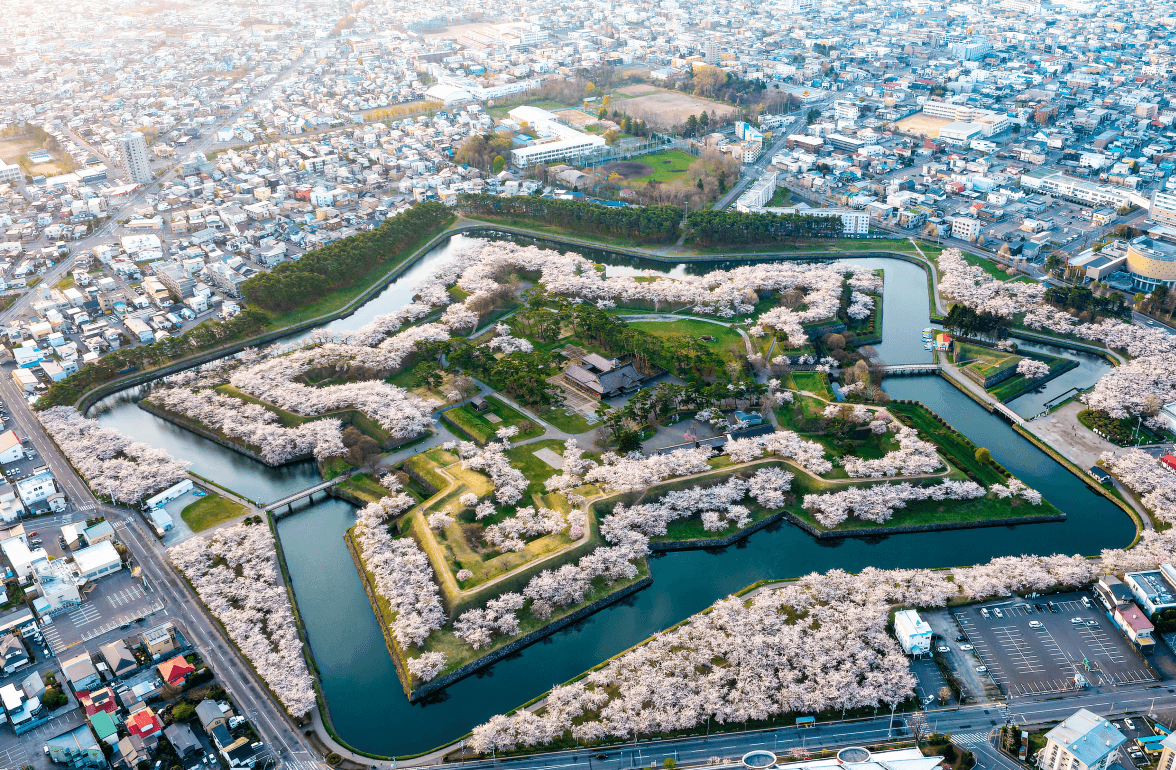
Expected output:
(577, 118)
(640, 89)
(667, 108)
(627, 169)
(922, 125)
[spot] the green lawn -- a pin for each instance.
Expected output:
(813, 382)
(1017, 384)
(568, 423)
(781, 198)
(210, 510)
(667, 166)
(985, 361)
(364, 486)
(987, 265)
(724, 336)
(957, 449)
(483, 430)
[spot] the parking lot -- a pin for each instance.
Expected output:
(1028, 647)
(115, 601)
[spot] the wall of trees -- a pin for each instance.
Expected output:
(344, 263)
(653, 224)
(732, 228)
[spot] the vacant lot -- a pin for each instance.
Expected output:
(668, 108)
(209, 511)
(921, 125)
(577, 118)
(640, 89)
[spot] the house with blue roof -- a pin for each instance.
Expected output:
(1083, 741)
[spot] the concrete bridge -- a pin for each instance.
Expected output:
(910, 370)
(289, 500)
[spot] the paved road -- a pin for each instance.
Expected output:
(968, 722)
(271, 723)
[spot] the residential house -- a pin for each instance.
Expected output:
(160, 640)
(105, 727)
(175, 671)
(11, 449)
(182, 739)
(1083, 741)
(215, 723)
(1111, 592)
(130, 752)
(81, 673)
(119, 657)
(76, 748)
(13, 653)
(145, 724)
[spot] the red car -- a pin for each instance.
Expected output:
(32, 534)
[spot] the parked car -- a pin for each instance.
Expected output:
(1077, 621)
(1035, 624)
(998, 613)
(966, 647)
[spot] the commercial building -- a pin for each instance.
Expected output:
(59, 586)
(913, 633)
(1083, 741)
(1135, 626)
(97, 560)
(1155, 590)
(133, 149)
(1079, 190)
(557, 141)
(1151, 262)
(37, 487)
(11, 449)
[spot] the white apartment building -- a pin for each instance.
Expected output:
(710, 50)
(557, 141)
(133, 148)
(913, 633)
(1083, 741)
(965, 228)
(1163, 208)
(9, 174)
(989, 121)
(1072, 188)
(759, 194)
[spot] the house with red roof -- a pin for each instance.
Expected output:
(94, 701)
(1169, 462)
(175, 670)
(1135, 626)
(145, 724)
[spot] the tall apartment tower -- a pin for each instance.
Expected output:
(134, 153)
(711, 50)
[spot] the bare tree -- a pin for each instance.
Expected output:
(944, 694)
(917, 724)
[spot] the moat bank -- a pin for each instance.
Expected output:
(367, 705)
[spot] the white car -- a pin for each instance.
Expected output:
(998, 613)
(981, 669)
(1035, 624)
(1129, 723)
(965, 647)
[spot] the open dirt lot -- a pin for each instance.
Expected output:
(627, 169)
(667, 108)
(922, 125)
(577, 118)
(637, 90)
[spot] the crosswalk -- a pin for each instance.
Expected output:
(968, 740)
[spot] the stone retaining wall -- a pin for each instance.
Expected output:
(507, 650)
(912, 528)
(199, 430)
(715, 542)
